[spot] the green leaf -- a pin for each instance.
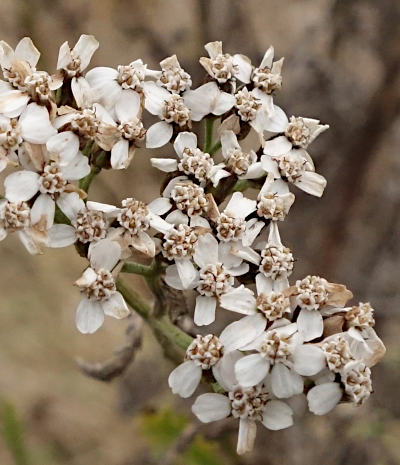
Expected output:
(13, 433)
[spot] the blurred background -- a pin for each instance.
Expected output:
(342, 66)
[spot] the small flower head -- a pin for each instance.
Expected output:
(205, 351)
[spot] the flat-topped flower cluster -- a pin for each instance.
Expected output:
(213, 230)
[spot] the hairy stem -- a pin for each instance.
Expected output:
(137, 268)
(208, 134)
(172, 339)
(215, 148)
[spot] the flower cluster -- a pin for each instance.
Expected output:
(208, 233)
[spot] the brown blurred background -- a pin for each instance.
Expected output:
(342, 66)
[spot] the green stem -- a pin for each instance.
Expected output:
(85, 182)
(137, 268)
(169, 335)
(208, 134)
(215, 148)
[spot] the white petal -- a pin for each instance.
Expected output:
(158, 134)
(177, 217)
(323, 398)
(110, 210)
(201, 101)
(263, 284)
(13, 102)
(120, 155)
(310, 324)
(30, 244)
(246, 436)
(168, 165)
(240, 206)
(61, 235)
(158, 223)
(223, 103)
(277, 415)
(104, 254)
(115, 306)
(77, 169)
(312, 183)
(170, 186)
(185, 379)
(254, 171)
(65, 145)
(83, 94)
(64, 56)
(240, 300)
(211, 407)
(228, 142)
(246, 253)
(204, 312)
(187, 272)
(242, 332)
(155, 96)
(270, 166)
(127, 106)
(199, 221)
(224, 370)
(144, 243)
(25, 50)
(277, 146)
(159, 206)
(185, 140)
(21, 185)
(251, 370)
(43, 210)
(268, 57)
(85, 48)
(277, 122)
(245, 68)
(308, 359)
(206, 250)
(285, 383)
(253, 229)
(35, 124)
(89, 316)
(97, 77)
(70, 204)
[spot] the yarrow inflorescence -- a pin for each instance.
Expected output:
(206, 234)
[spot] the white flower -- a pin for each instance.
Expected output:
(232, 228)
(98, 284)
(170, 108)
(16, 217)
(271, 303)
(173, 77)
(109, 83)
(74, 62)
(90, 123)
(129, 128)
(316, 296)
(215, 277)
(33, 126)
(224, 67)
(135, 218)
(356, 378)
(257, 108)
(48, 172)
(297, 167)
(87, 223)
(207, 352)
(282, 356)
(274, 199)
(322, 398)
(276, 259)
(187, 196)
(249, 405)
(191, 161)
(243, 164)
(206, 100)
(268, 76)
(24, 84)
